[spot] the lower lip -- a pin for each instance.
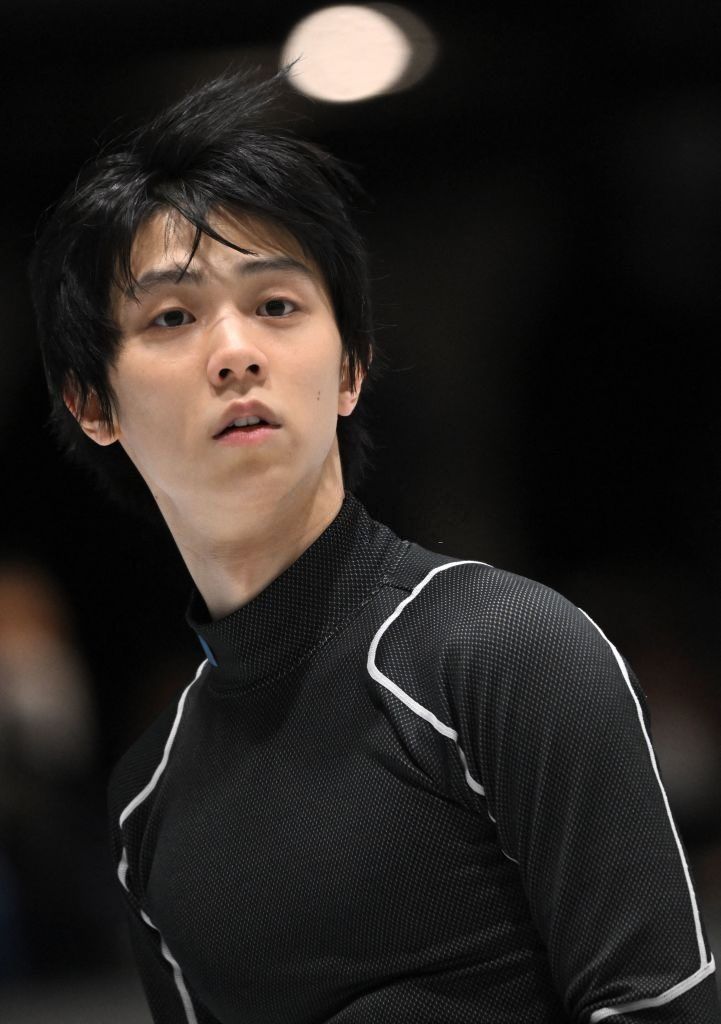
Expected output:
(246, 436)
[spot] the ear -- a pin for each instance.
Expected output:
(90, 420)
(348, 394)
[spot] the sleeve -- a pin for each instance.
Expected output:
(573, 784)
(169, 996)
(165, 988)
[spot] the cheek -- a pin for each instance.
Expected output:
(325, 372)
(313, 373)
(143, 417)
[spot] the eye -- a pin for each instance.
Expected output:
(276, 307)
(173, 318)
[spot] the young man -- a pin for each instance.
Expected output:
(400, 787)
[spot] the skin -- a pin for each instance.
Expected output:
(240, 515)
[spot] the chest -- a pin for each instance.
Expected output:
(311, 834)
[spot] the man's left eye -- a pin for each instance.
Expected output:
(276, 307)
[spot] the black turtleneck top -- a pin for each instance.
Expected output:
(403, 789)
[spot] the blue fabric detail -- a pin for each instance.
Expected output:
(208, 653)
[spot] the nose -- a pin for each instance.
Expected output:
(234, 353)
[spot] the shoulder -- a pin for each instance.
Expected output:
(135, 769)
(468, 595)
(497, 623)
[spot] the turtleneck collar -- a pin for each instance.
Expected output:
(271, 634)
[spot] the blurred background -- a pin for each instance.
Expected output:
(545, 236)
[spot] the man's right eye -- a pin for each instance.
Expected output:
(173, 318)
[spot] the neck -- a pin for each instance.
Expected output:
(252, 544)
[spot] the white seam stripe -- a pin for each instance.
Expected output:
(665, 997)
(123, 869)
(428, 716)
(679, 847)
(123, 865)
(144, 793)
(177, 974)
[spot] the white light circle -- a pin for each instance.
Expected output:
(347, 53)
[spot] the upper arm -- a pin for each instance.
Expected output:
(572, 780)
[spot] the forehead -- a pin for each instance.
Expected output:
(166, 238)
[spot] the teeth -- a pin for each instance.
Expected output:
(246, 421)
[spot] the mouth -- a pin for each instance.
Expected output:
(246, 428)
(245, 425)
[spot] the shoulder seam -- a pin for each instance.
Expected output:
(445, 730)
(160, 768)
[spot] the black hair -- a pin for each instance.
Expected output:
(215, 149)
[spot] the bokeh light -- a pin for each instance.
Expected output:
(352, 52)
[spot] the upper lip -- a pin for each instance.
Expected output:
(238, 410)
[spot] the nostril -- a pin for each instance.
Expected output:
(253, 368)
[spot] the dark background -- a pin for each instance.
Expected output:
(544, 230)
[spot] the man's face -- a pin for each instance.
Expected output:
(236, 337)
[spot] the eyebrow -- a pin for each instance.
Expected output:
(191, 275)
